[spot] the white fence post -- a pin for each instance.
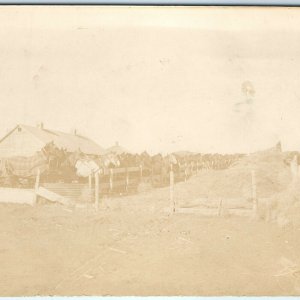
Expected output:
(90, 181)
(172, 202)
(97, 191)
(36, 186)
(141, 171)
(254, 196)
(127, 179)
(111, 180)
(220, 208)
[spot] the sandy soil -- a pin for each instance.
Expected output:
(132, 247)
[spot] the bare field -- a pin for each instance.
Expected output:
(132, 247)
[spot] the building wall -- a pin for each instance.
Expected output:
(20, 143)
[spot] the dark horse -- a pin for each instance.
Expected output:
(21, 170)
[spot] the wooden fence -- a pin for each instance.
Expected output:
(111, 181)
(119, 180)
(238, 206)
(183, 172)
(127, 180)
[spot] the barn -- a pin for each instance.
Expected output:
(24, 140)
(117, 149)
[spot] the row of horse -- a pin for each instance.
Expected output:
(57, 164)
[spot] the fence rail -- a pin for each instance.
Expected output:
(116, 181)
(127, 180)
(111, 181)
(182, 172)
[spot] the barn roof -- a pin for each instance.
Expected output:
(117, 149)
(72, 142)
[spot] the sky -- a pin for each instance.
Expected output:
(160, 79)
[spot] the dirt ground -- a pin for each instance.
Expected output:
(132, 247)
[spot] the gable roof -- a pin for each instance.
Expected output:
(117, 149)
(72, 142)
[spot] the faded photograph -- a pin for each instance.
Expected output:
(149, 151)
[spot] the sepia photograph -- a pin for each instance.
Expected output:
(149, 151)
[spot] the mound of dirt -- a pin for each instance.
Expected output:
(272, 175)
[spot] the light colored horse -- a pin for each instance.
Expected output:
(86, 167)
(84, 164)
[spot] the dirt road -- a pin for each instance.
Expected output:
(134, 248)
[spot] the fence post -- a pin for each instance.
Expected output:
(220, 207)
(97, 191)
(36, 186)
(172, 202)
(111, 180)
(151, 176)
(90, 181)
(127, 180)
(141, 171)
(254, 196)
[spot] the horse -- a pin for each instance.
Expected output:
(109, 161)
(67, 169)
(78, 165)
(84, 165)
(129, 160)
(22, 168)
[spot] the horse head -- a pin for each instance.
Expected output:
(52, 154)
(49, 149)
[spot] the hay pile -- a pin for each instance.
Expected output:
(274, 183)
(278, 194)
(271, 173)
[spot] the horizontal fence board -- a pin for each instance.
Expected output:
(119, 178)
(119, 170)
(134, 177)
(105, 172)
(134, 169)
(135, 180)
